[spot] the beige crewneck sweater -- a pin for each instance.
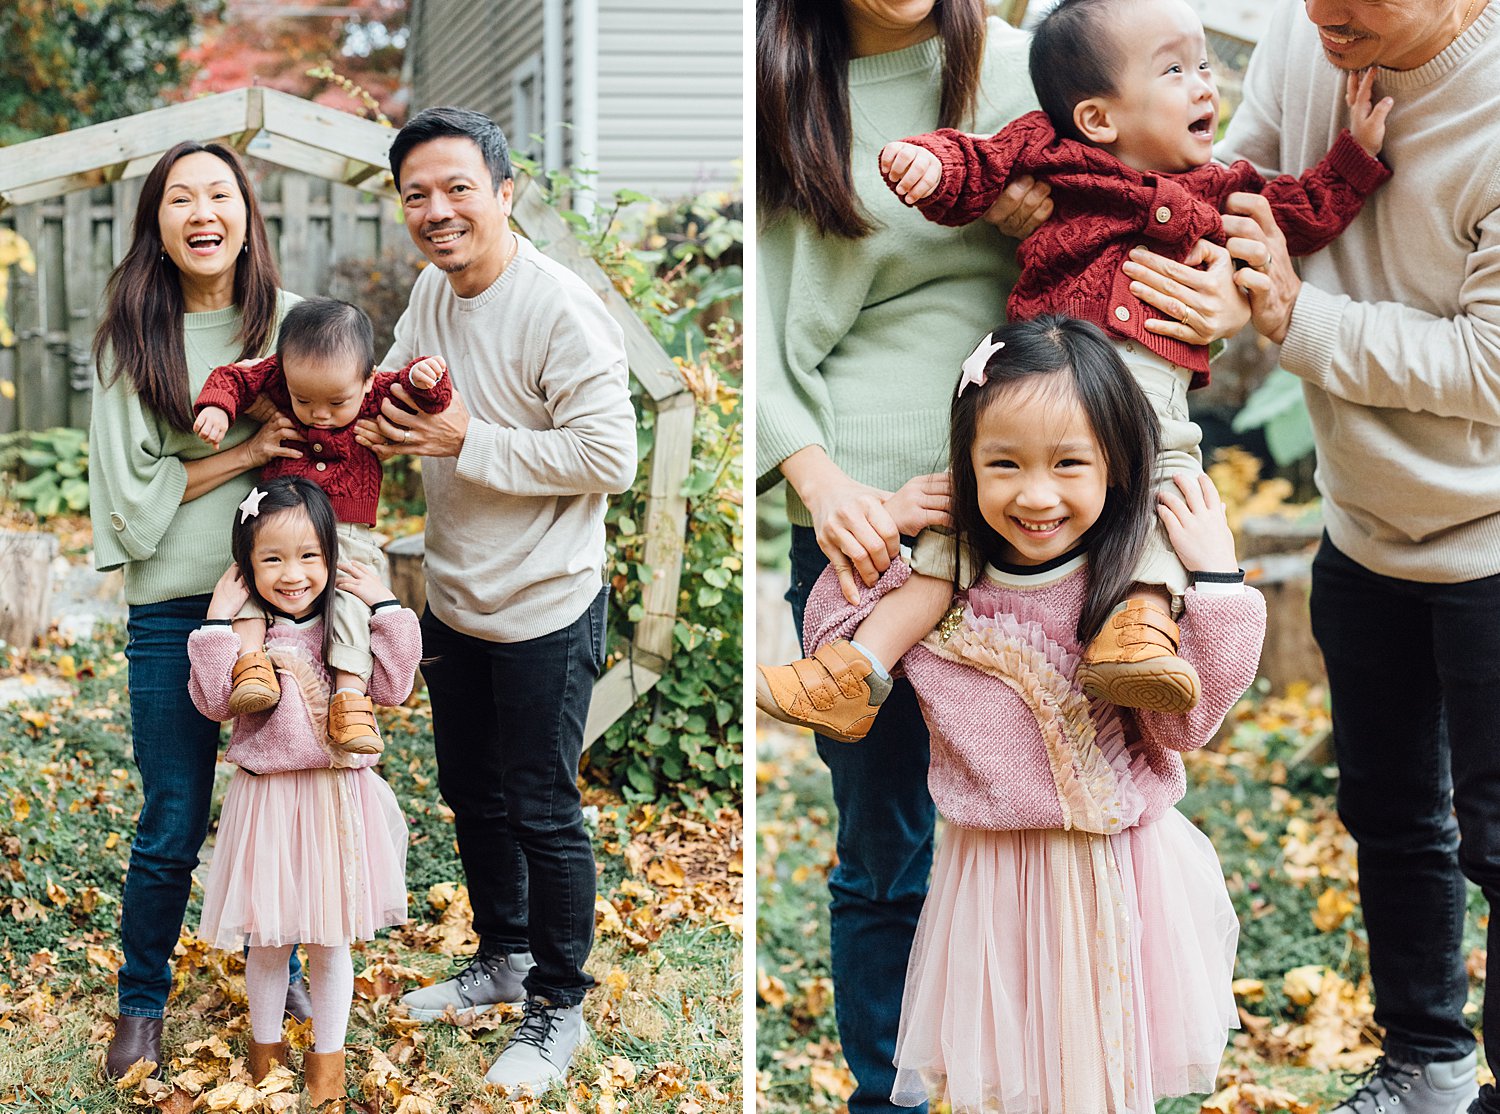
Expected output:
(1396, 333)
(515, 523)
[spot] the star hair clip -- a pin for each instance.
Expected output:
(250, 507)
(974, 366)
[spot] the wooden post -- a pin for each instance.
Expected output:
(1290, 652)
(666, 513)
(25, 585)
(408, 581)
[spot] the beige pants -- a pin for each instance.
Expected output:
(350, 649)
(1166, 386)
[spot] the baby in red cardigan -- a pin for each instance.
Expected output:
(1125, 141)
(323, 375)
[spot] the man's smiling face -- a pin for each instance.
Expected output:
(454, 213)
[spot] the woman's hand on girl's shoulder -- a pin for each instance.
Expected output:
(361, 581)
(922, 501)
(1196, 524)
(230, 594)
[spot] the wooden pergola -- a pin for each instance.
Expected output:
(314, 139)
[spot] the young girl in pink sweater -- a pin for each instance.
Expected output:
(311, 845)
(1075, 951)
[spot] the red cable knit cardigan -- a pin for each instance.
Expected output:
(1015, 743)
(333, 459)
(1103, 208)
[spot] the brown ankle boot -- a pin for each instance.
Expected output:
(1133, 662)
(351, 724)
(263, 1057)
(255, 685)
(136, 1038)
(324, 1076)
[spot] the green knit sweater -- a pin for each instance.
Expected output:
(859, 341)
(168, 548)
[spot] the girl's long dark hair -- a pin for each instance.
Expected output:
(1123, 423)
(803, 131)
(141, 330)
(283, 494)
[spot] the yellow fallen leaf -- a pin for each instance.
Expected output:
(1301, 984)
(1333, 906)
(833, 1079)
(665, 872)
(138, 1072)
(1248, 990)
(770, 989)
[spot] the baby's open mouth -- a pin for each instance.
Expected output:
(1202, 127)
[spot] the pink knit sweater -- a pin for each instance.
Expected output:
(1015, 743)
(290, 736)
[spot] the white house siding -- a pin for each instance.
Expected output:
(670, 95)
(670, 83)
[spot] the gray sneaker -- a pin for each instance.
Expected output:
(489, 979)
(1395, 1087)
(541, 1048)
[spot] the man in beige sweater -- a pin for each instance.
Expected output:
(1395, 331)
(541, 430)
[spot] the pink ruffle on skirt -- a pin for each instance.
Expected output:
(308, 856)
(1068, 973)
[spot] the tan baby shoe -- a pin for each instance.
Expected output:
(255, 685)
(1133, 662)
(351, 724)
(836, 692)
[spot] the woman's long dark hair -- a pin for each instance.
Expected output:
(803, 130)
(141, 330)
(1123, 423)
(282, 494)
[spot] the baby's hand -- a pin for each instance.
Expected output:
(360, 581)
(915, 170)
(1196, 525)
(230, 594)
(211, 425)
(1366, 122)
(427, 372)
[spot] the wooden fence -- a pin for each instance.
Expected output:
(312, 223)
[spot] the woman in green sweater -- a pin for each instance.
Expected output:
(197, 289)
(864, 316)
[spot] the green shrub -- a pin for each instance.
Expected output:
(56, 465)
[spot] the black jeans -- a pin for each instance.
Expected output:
(1414, 674)
(507, 721)
(876, 890)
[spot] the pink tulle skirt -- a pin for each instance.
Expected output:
(309, 856)
(1068, 973)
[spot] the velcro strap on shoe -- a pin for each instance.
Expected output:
(254, 667)
(819, 686)
(841, 669)
(1142, 624)
(347, 710)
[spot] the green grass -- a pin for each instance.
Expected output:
(665, 1017)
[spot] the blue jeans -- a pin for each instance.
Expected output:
(507, 726)
(1414, 676)
(876, 891)
(175, 749)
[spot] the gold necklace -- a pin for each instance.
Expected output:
(1463, 25)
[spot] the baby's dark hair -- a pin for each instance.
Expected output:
(1074, 56)
(326, 328)
(1082, 361)
(283, 494)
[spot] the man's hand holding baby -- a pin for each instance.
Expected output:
(914, 170)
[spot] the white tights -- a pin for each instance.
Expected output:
(330, 983)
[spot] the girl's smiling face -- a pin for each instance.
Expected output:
(1042, 477)
(290, 570)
